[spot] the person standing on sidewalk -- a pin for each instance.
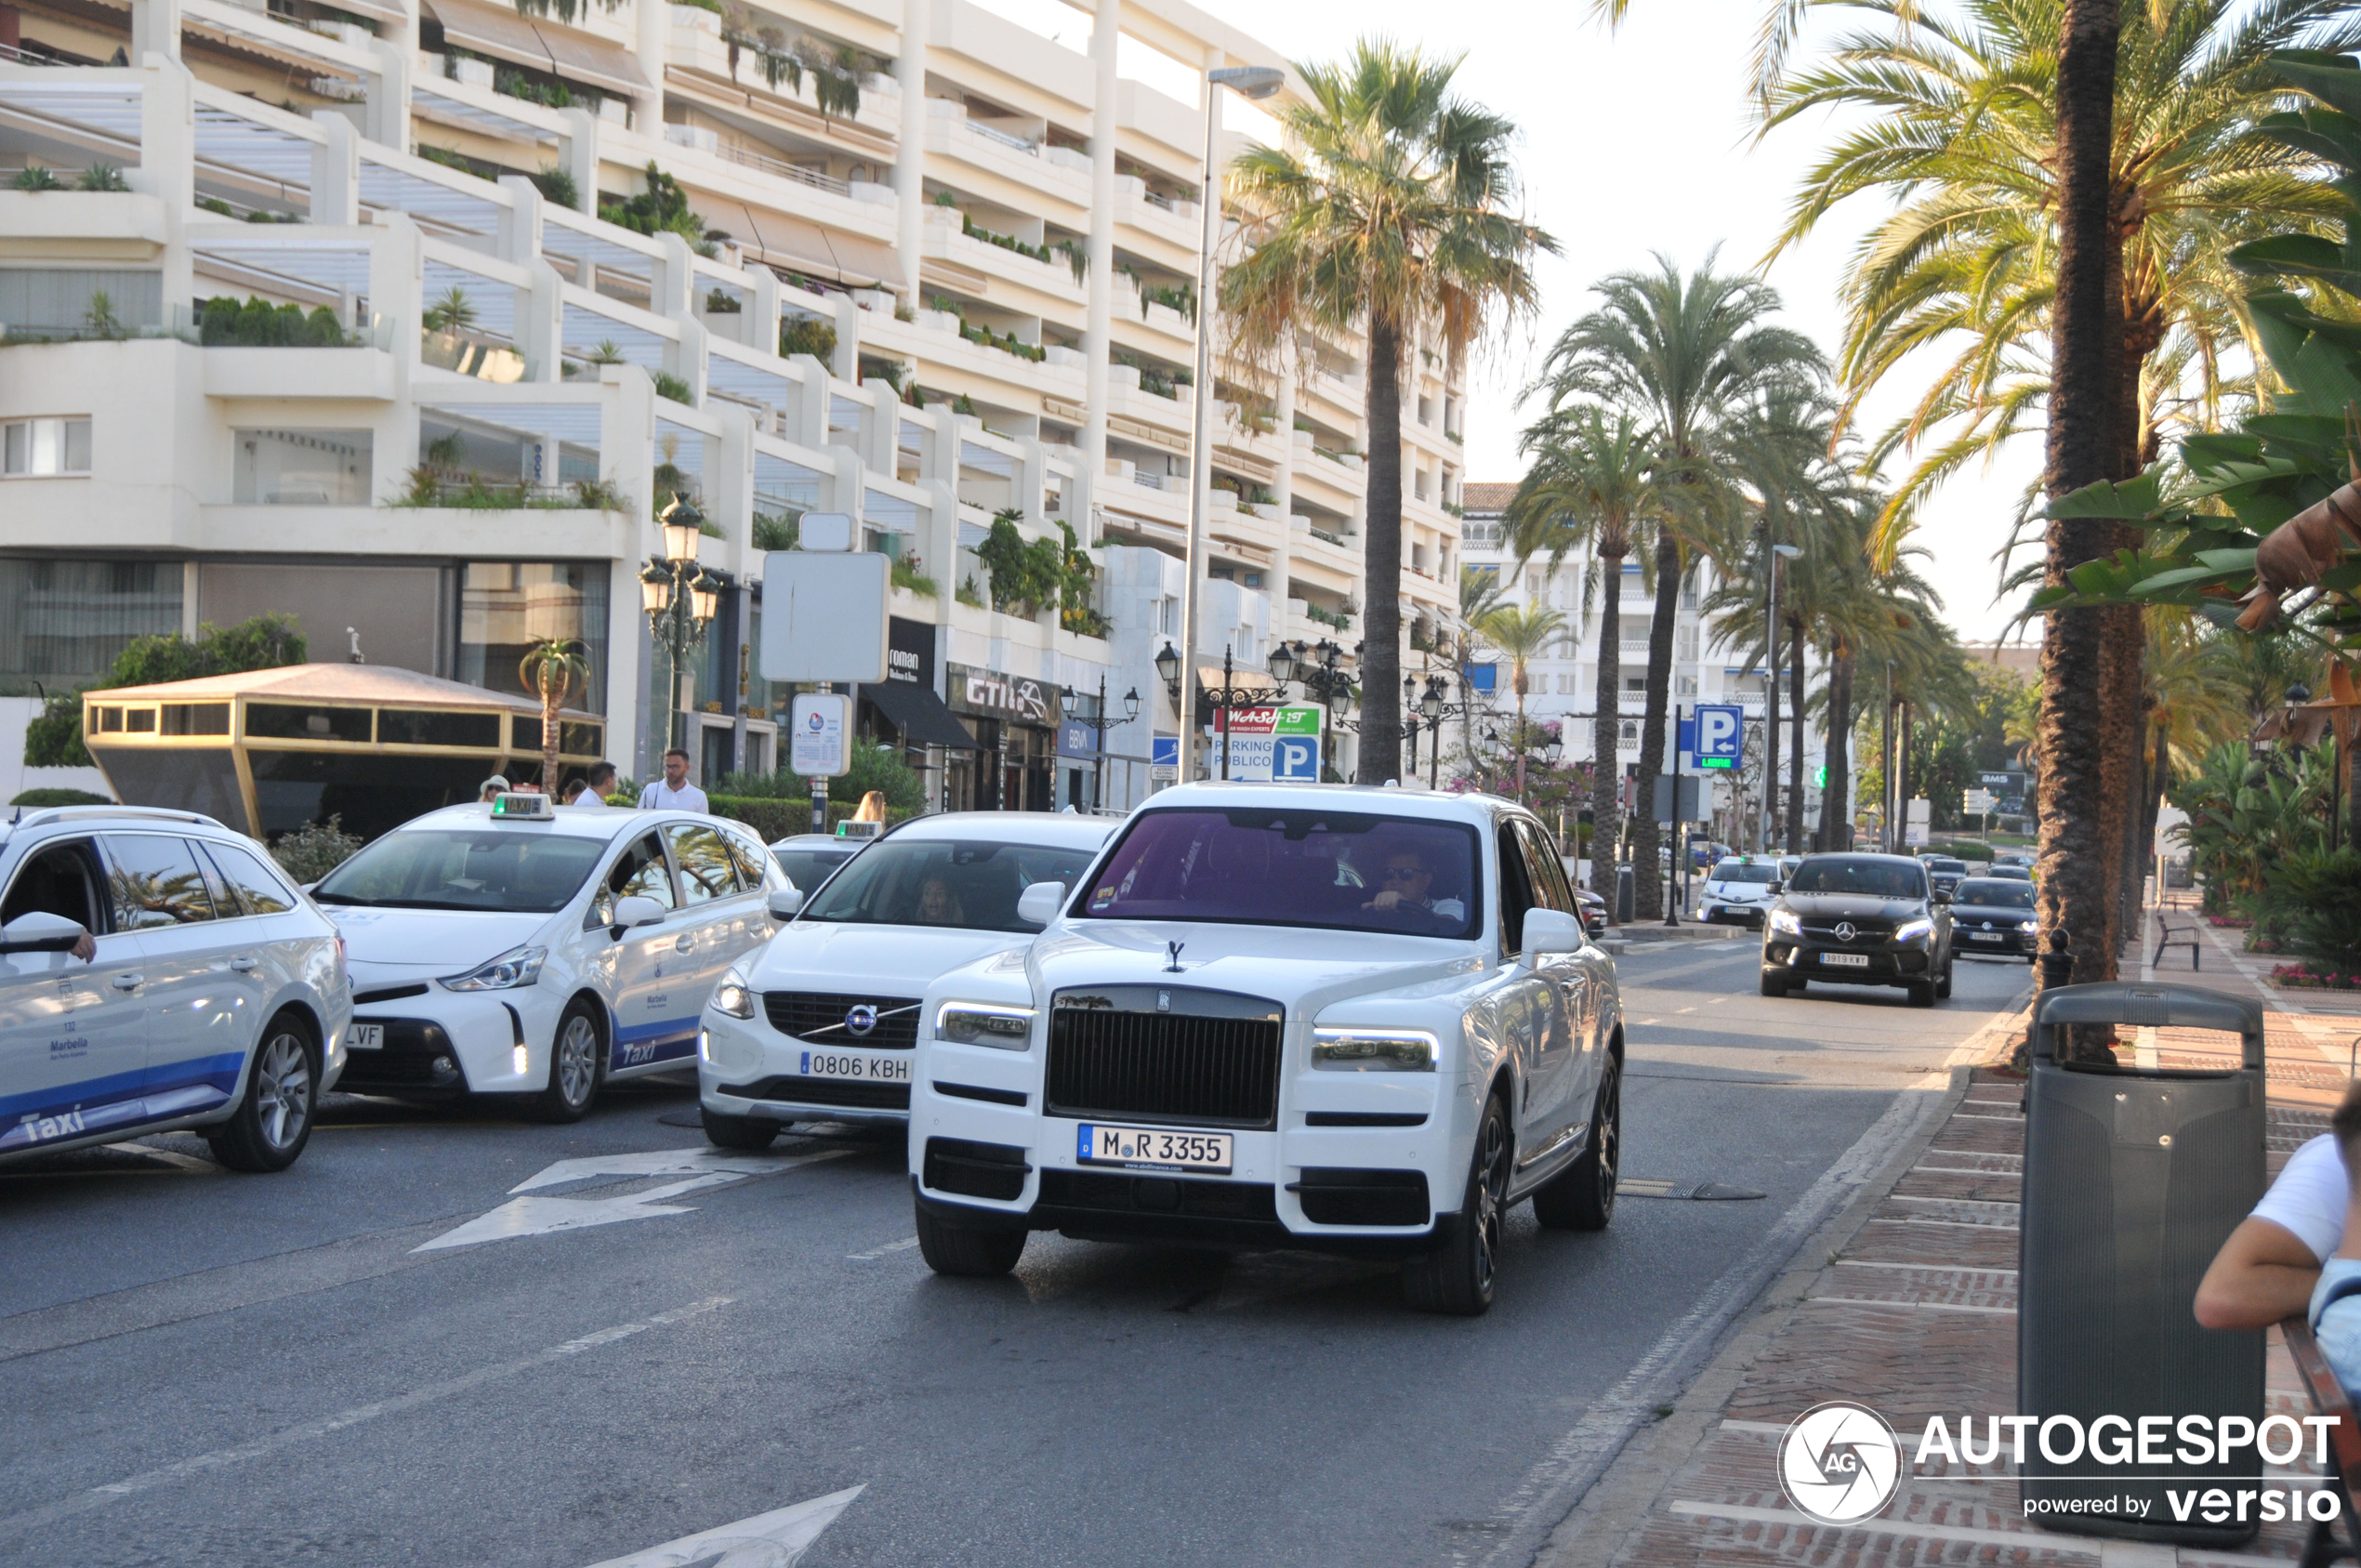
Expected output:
(597, 784)
(674, 792)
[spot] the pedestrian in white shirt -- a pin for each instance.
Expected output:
(674, 792)
(596, 786)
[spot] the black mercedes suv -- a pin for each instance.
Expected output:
(1859, 919)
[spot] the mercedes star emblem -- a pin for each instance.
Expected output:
(1845, 930)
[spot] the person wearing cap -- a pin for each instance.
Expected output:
(494, 786)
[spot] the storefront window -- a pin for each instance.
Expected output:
(63, 621)
(506, 607)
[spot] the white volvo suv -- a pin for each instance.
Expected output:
(539, 951)
(1301, 1016)
(820, 1025)
(158, 972)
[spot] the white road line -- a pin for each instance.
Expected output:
(780, 1536)
(326, 1426)
(2027, 1540)
(535, 1215)
(904, 1245)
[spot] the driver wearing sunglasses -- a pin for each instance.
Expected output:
(1405, 879)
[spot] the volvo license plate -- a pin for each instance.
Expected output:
(852, 1064)
(365, 1038)
(1846, 960)
(1152, 1147)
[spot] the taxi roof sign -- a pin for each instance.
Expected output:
(849, 828)
(521, 806)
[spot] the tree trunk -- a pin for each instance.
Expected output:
(2077, 863)
(1382, 563)
(1795, 751)
(550, 746)
(1767, 818)
(1606, 733)
(1647, 885)
(1836, 821)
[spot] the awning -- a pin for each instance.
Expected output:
(794, 243)
(918, 714)
(584, 58)
(492, 30)
(862, 260)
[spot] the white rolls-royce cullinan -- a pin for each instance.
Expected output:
(1360, 1021)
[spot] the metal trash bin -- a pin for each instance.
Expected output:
(2133, 1178)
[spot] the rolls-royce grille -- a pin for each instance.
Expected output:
(820, 1016)
(1170, 1066)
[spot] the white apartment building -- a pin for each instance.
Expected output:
(352, 341)
(1564, 685)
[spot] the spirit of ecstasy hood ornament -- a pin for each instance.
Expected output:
(1172, 956)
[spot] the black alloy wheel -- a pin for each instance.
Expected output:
(1582, 1198)
(1459, 1279)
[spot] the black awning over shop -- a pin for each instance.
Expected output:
(919, 715)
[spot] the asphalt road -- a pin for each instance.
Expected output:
(211, 1369)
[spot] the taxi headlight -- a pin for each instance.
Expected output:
(984, 1023)
(1785, 922)
(1914, 931)
(730, 999)
(519, 965)
(1373, 1050)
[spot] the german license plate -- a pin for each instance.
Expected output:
(852, 1064)
(1154, 1148)
(1846, 960)
(1983, 936)
(365, 1038)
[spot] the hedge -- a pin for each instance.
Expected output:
(776, 819)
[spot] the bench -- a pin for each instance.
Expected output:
(2328, 1397)
(2170, 935)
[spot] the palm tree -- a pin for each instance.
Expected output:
(1693, 355)
(1592, 482)
(549, 668)
(1520, 633)
(1390, 207)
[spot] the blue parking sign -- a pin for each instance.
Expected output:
(1721, 735)
(1295, 759)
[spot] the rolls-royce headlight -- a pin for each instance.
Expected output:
(1785, 922)
(984, 1023)
(1373, 1050)
(730, 999)
(1914, 931)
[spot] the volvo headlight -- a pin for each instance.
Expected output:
(1373, 1050)
(984, 1023)
(519, 965)
(730, 999)
(1911, 931)
(1785, 922)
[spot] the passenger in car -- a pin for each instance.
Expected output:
(938, 905)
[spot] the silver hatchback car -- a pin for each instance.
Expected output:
(158, 972)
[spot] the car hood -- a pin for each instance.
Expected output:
(1836, 906)
(1302, 968)
(441, 940)
(887, 959)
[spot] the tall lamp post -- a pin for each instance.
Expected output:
(1100, 724)
(1770, 692)
(1253, 82)
(1228, 695)
(681, 598)
(1320, 670)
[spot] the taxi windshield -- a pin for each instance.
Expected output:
(1262, 866)
(505, 868)
(968, 884)
(1739, 870)
(1875, 878)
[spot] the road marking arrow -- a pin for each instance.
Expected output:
(540, 1216)
(768, 1540)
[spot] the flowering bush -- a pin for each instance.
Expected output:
(2306, 976)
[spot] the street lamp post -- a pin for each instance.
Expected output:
(1228, 695)
(1100, 724)
(681, 598)
(1254, 82)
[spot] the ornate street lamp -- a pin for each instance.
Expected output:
(1100, 724)
(680, 598)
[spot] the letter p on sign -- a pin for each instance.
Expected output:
(1720, 736)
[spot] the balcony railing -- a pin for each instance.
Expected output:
(785, 170)
(1005, 139)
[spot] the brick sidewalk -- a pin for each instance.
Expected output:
(1913, 1312)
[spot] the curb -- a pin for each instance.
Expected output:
(1601, 1528)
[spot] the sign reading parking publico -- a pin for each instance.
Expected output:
(1275, 744)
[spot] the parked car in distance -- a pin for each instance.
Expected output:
(1358, 1020)
(809, 859)
(822, 1024)
(159, 972)
(1994, 914)
(1859, 919)
(1946, 871)
(539, 951)
(1738, 890)
(2010, 872)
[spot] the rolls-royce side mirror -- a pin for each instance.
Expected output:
(1549, 931)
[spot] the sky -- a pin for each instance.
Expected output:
(1635, 142)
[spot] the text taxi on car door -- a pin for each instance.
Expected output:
(158, 972)
(527, 949)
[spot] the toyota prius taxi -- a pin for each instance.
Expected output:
(539, 951)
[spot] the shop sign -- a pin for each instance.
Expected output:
(1019, 699)
(910, 653)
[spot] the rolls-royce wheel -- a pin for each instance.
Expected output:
(1459, 1280)
(965, 1251)
(1582, 1197)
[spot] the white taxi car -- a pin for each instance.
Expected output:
(527, 949)
(820, 1025)
(1281, 1016)
(157, 973)
(1738, 890)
